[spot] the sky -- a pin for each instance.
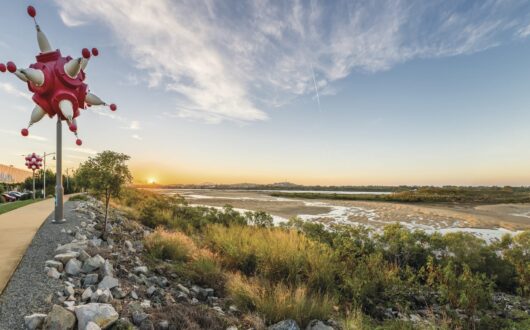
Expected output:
(311, 92)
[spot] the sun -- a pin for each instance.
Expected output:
(151, 180)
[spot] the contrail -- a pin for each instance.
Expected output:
(316, 89)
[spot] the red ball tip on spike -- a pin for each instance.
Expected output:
(11, 67)
(95, 51)
(73, 127)
(24, 132)
(3, 67)
(31, 11)
(86, 53)
(79, 142)
(113, 107)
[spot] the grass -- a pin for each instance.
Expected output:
(7, 207)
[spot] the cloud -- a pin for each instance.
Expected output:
(228, 61)
(10, 89)
(31, 136)
(137, 137)
(82, 150)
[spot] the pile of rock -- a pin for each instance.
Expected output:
(107, 284)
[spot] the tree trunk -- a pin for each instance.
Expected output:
(107, 200)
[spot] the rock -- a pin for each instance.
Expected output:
(201, 293)
(73, 267)
(233, 309)
(318, 325)
(34, 321)
(55, 264)
(95, 242)
(145, 303)
(103, 315)
(83, 256)
(209, 292)
(147, 325)
(129, 246)
(90, 279)
(183, 289)
(69, 305)
(107, 269)
(151, 290)
(93, 263)
(140, 270)
(285, 325)
(65, 257)
(59, 319)
(105, 296)
(181, 297)
(134, 295)
(72, 247)
(164, 325)
(118, 293)
(87, 294)
(138, 317)
(53, 273)
(69, 290)
(92, 326)
(232, 327)
(108, 282)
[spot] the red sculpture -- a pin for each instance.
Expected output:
(33, 162)
(57, 83)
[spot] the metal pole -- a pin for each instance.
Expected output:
(33, 184)
(44, 181)
(59, 191)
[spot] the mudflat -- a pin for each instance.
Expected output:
(512, 217)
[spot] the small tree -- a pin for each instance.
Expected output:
(104, 176)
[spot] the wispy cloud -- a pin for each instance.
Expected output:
(137, 137)
(31, 136)
(226, 61)
(82, 150)
(10, 89)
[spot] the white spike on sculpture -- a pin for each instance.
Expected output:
(67, 109)
(73, 67)
(20, 76)
(34, 75)
(36, 115)
(84, 63)
(94, 100)
(44, 44)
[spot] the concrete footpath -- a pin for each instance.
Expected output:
(17, 229)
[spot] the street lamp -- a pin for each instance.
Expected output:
(58, 88)
(33, 162)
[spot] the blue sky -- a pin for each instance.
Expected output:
(316, 92)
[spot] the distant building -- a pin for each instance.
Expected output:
(10, 174)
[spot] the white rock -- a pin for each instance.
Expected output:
(93, 263)
(53, 273)
(73, 267)
(65, 257)
(140, 270)
(107, 269)
(92, 326)
(86, 294)
(103, 315)
(105, 297)
(34, 321)
(108, 282)
(55, 264)
(72, 247)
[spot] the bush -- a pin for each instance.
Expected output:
(277, 302)
(80, 197)
(173, 246)
(275, 254)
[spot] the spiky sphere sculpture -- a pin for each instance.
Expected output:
(33, 162)
(57, 83)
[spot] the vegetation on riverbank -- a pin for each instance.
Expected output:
(351, 274)
(471, 195)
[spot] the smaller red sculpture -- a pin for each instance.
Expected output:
(33, 162)
(57, 83)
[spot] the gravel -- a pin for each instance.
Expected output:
(30, 290)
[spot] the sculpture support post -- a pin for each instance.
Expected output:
(33, 184)
(59, 191)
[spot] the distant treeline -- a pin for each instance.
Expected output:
(448, 194)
